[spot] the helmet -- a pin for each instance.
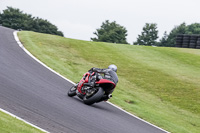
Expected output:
(113, 67)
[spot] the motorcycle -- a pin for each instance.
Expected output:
(98, 92)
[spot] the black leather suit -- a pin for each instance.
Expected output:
(108, 74)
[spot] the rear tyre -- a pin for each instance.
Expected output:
(94, 98)
(72, 91)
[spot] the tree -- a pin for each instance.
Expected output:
(111, 32)
(16, 19)
(149, 35)
(170, 41)
(163, 40)
(193, 29)
(45, 26)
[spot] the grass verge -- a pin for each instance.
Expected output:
(9, 124)
(160, 85)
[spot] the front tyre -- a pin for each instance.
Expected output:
(95, 97)
(72, 91)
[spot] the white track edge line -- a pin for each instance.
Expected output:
(21, 45)
(137, 117)
(4, 111)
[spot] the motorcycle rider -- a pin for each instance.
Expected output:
(107, 73)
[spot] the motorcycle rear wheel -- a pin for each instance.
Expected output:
(94, 98)
(72, 91)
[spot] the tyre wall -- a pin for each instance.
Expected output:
(188, 41)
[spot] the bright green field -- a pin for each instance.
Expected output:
(10, 124)
(160, 85)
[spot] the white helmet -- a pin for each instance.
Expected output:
(113, 67)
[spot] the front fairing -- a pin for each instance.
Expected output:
(85, 79)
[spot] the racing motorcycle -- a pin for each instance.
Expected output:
(98, 92)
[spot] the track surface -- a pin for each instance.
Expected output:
(32, 92)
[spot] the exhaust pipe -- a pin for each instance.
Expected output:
(109, 96)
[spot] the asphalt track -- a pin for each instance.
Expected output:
(34, 93)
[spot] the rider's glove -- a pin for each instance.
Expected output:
(91, 70)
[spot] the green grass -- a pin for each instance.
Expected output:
(160, 85)
(10, 124)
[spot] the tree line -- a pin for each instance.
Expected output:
(16, 19)
(108, 31)
(148, 36)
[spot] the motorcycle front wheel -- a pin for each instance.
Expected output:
(72, 91)
(95, 97)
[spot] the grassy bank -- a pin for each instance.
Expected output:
(10, 124)
(161, 85)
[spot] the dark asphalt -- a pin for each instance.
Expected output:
(32, 92)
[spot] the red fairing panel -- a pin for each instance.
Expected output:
(83, 80)
(105, 81)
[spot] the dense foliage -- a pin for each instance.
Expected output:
(148, 36)
(16, 19)
(169, 40)
(111, 32)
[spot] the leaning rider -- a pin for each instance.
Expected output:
(108, 73)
